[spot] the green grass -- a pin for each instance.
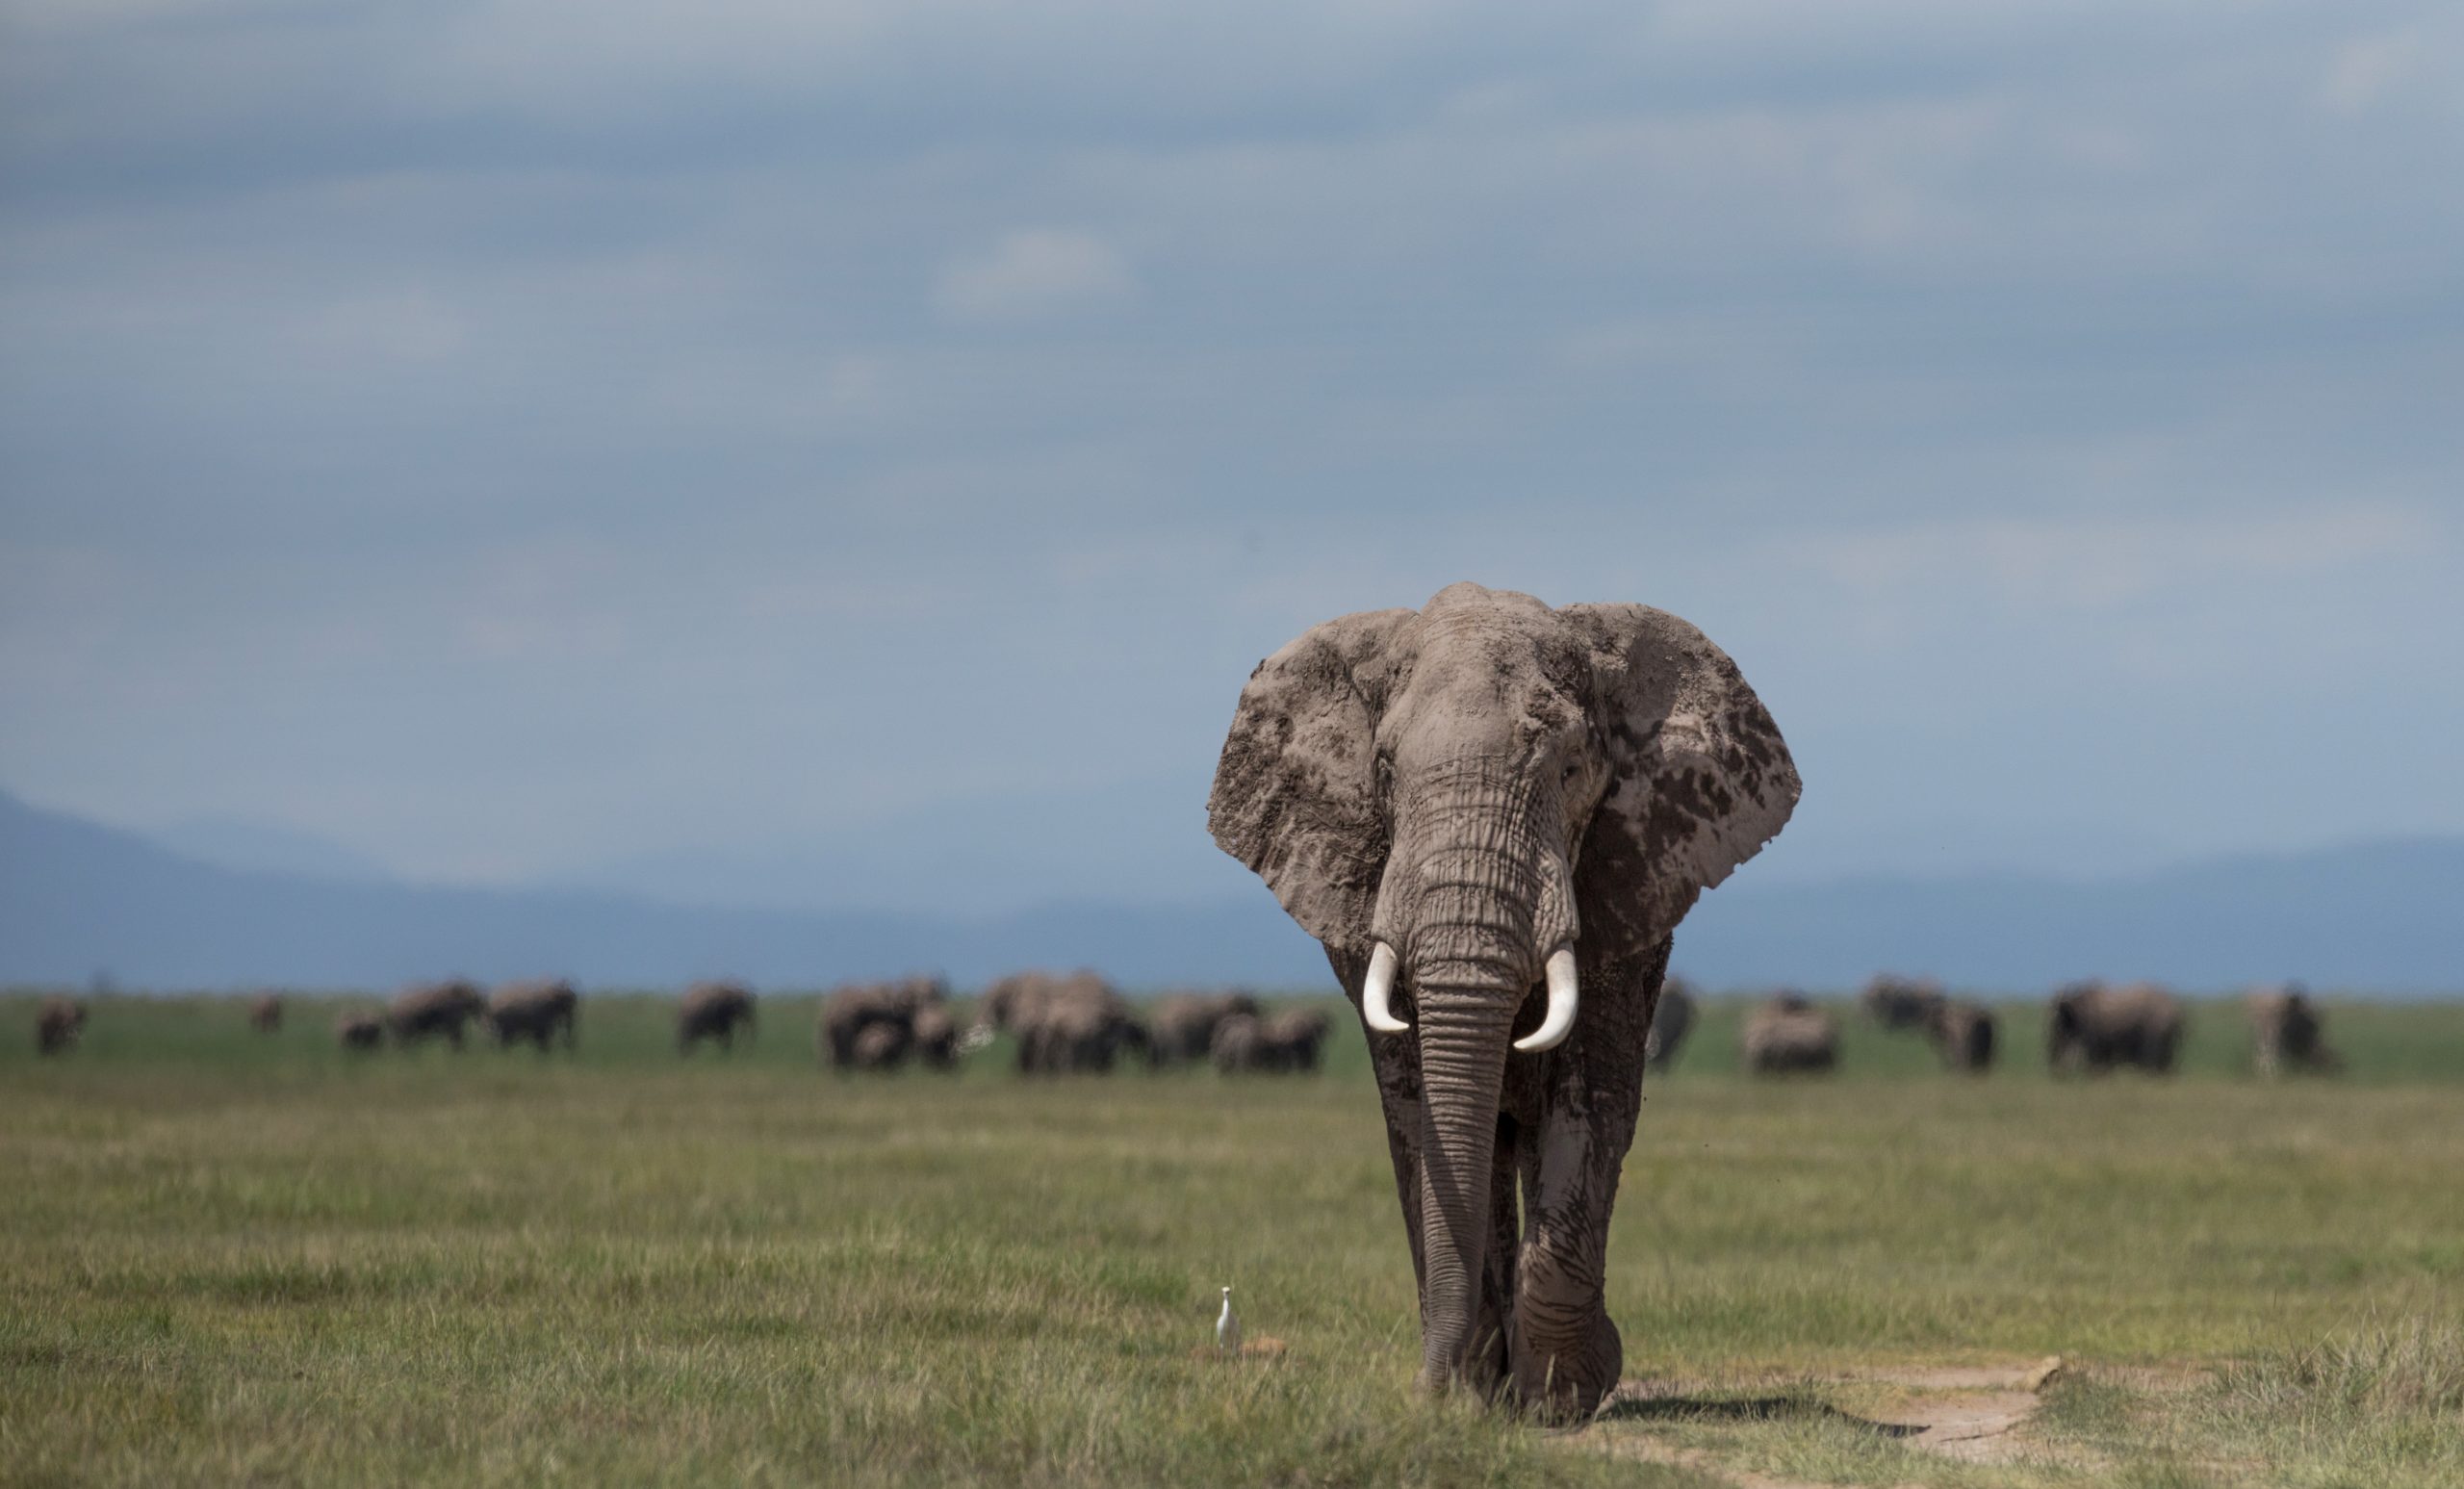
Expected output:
(242, 1259)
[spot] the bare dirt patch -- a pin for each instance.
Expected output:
(1967, 1413)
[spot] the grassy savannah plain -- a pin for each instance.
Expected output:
(244, 1259)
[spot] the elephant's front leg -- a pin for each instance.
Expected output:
(1567, 1354)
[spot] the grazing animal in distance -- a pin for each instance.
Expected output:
(2288, 1034)
(879, 1047)
(2096, 1028)
(359, 1030)
(1901, 1002)
(1493, 813)
(936, 1036)
(59, 1023)
(538, 1008)
(1963, 1032)
(265, 1013)
(1180, 1027)
(1788, 1036)
(425, 1010)
(1672, 1019)
(872, 1026)
(1279, 1045)
(713, 1011)
(1062, 1022)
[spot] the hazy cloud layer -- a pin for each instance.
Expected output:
(515, 440)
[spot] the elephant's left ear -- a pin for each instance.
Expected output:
(1699, 777)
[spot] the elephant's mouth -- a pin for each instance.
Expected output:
(1565, 998)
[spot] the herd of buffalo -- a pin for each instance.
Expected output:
(1079, 1022)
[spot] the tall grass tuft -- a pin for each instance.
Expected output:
(2408, 1366)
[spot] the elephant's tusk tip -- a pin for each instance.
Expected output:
(1564, 1001)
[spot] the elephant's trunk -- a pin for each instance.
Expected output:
(1463, 1037)
(1484, 900)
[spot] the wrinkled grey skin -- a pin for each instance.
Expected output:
(872, 1026)
(1480, 783)
(1671, 1022)
(359, 1030)
(539, 1010)
(1788, 1036)
(265, 1013)
(1075, 1022)
(1180, 1028)
(1901, 1002)
(1284, 1043)
(713, 1011)
(59, 1023)
(1963, 1035)
(2288, 1034)
(429, 1009)
(2093, 1027)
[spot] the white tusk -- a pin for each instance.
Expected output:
(1377, 990)
(1559, 1021)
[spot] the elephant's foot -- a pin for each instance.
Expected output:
(1567, 1384)
(1567, 1354)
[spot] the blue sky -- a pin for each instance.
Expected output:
(857, 451)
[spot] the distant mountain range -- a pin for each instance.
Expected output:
(78, 899)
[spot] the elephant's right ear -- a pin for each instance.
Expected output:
(1295, 794)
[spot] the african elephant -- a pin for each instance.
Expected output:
(1298, 1037)
(1017, 1003)
(1280, 1044)
(1788, 1036)
(426, 1009)
(1240, 1043)
(59, 1023)
(1180, 1028)
(1082, 1035)
(1963, 1035)
(359, 1030)
(1493, 814)
(2095, 1027)
(936, 1036)
(1901, 1002)
(712, 1010)
(851, 1013)
(878, 1047)
(1671, 1022)
(1073, 1022)
(265, 1013)
(538, 1008)
(2287, 1033)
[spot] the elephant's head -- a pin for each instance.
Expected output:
(1479, 799)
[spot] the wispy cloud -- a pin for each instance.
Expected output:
(1977, 374)
(2103, 563)
(1034, 275)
